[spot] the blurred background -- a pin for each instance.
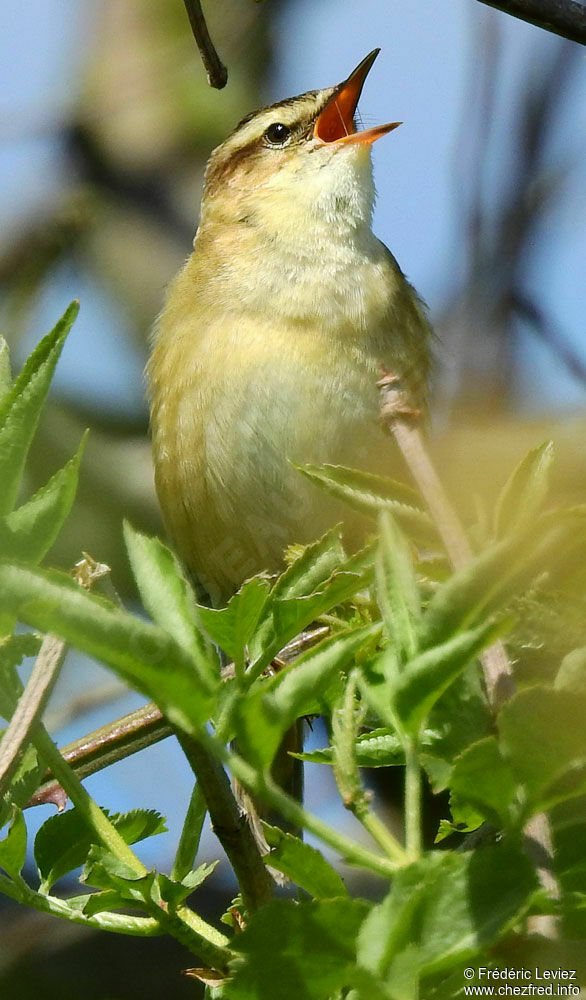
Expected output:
(106, 122)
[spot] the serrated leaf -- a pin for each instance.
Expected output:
(544, 739)
(303, 864)
(263, 717)
(142, 654)
(21, 406)
(64, 841)
(174, 893)
(369, 494)
(482, 777)
(525, 490)
(292, 950)
(13, 847)
(168, 597)
(314, 566)
(233, 627)
(397, 591)
(27, 533)
(447, 907)
(379, 748)
(425, 678)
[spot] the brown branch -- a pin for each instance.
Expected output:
(214, 67)
(562, 17)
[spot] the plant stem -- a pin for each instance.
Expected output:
(228, 823)
(380, 834)
(413, 837)
(106, 832)
(291, 810)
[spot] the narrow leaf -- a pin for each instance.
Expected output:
(141, 654)
(525, 490)
(5, 369)
(369, 494)
(21, 406)
(428, 675)
(27, 533)
(397, 589)
(168, 596)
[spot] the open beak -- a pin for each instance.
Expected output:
(336, 122)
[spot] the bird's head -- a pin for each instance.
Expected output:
(297, 160)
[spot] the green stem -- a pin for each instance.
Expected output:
(190, 834)
(105, 830)
(295, 813)
(413, 838)
(116, 922)
(381, 834)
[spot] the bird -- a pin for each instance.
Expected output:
(267, 351)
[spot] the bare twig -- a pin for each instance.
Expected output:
(562, 17)
(496, 666)
(215, 69)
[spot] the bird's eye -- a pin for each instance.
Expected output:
(277, 134)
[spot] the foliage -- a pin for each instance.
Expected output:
(396, 679)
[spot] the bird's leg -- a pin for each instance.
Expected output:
(396, 401)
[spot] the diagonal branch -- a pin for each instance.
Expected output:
(214, 67)
(562, 17)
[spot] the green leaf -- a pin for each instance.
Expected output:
(425, 678)
(5, 369)
(64, 841)
(21, 407)
(143, 654)
(13, 650)
(98, 902)
(13, 847)
(378, 748)
(369, 494)
(297, 951)
(544, 738)
(174, 893)
(263, 717)
(498, 574)
(482, 778)
(233, 627)
(314, 566)
(25, 780)
(168, 597)
(104, 870)
(525, 490)
(397, 591)
(27, 533)
(460, 717)
(572, 673)
(303, 864)
(445, 908)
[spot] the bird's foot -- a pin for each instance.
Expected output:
(396, 401)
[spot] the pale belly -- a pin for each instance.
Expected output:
(225, 442)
